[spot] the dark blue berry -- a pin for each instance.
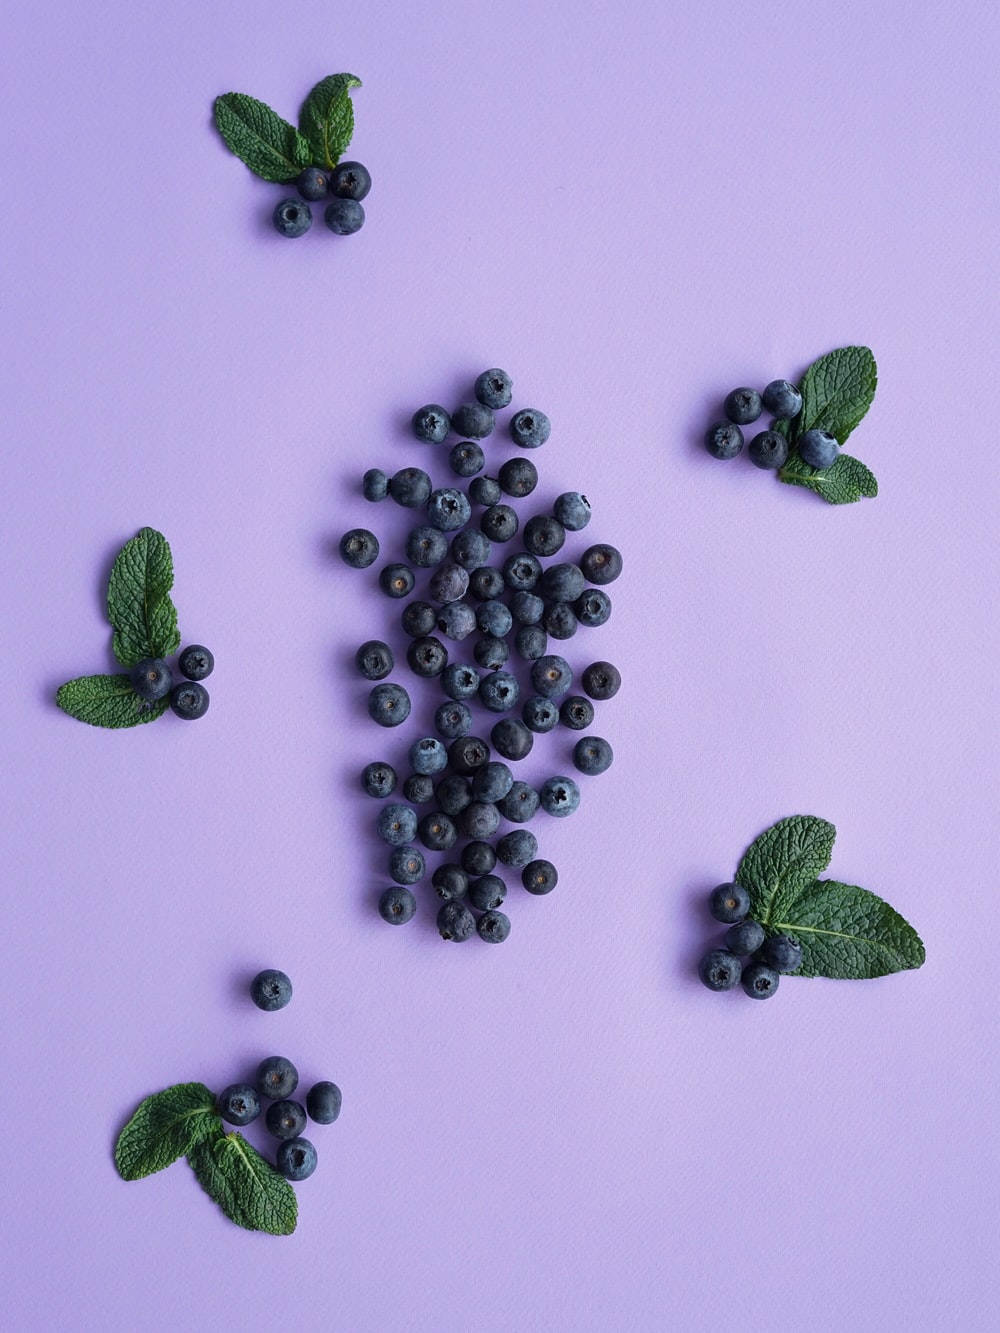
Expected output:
(473, 419)
(559, 796)
(531, 642)
(448, 509)
(478, 858)
(291, 217)
(543, 535)
(312, 183)
(396, 824)
(324, 1100)
(493, 927)
(517, 848)
(511, 738)
(818, 448)
(724, 440)
(484, 491)
(551, 677)
(296, 1158)
(560, 620)
(277, 1077)
(540, 714)
(378, 779)
(471, 549)
(426, 546)
(487, 893)
(359, 548)
(499, 691)
(486, 584)
(431, 423)
(530, 428)
(426, 657)
(593, 607)
(438, 832)
(151, 679)
(410, 487)
(418, 619)
(493, 388)
(467, 754)
(601, 680)
(760, 981)
(453, 794)
(418, 788)
(374, 660)
(518, 477)
(460, 681)
(396, 580)
(539, 877)
(455, 922)
(563, 583)
(189, 700)
(742, 406)
(782, 400)
(456, 620)
(521, 572)
(344, 216)
(783, 953)
(526, 607)
(499, 523)
(729, 903)
(745, 937)
(491, 782)
(452, 719)
(601, 564)
(490, 653)
(720, 970)
(196, 662)
(285, 1119)
(270, 990)
(350, 180)
(239, 1104)
(388, 704)
(576, 712)
(375, 484)
(592, 755)
(494, 618)
(428, 756)
(769, 449)
(480, 820)
(520, 804)
(450, 881)
(572, 510)
(407, 865)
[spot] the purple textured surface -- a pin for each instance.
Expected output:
(632, 213)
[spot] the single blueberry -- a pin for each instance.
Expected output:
(601, 680)
(511, 738)
(407, 865)
(396, 824)
(452, 719)
(456, 620)
(473, 419)
(490, 653)
(285, 1119)
(375, 484)
(559, 796)
(196, 662)
(487, 893)
(448, 583)
(324, 1100)
(563, 583)
(531, 642)
(520, 804)
(491, 782)
(493, 388)
(499, 691)
(818, 448)
(539, 877)
(530, 428)
(426, 546)
(760, 981)
(782, 400)
(478, 858)
(593, 607)
(724, 440)
(560, 620)
(350, 180)
(312, 183)
(388, 704)
(526, 607)
(576, 712)
(450, 881)
(189, 700)
(486, 584)
(426, 657)
(291, 217)
(543, 535)
(471, 549)
(493, 927)
(151, 679)
(453, 794)
(729, 903)
(396, 580)
(374, 660)
(238, 1104)
(783, 953)
(418, 788)
(518, 477)
(480, 820)
(517, 848)
(540, 714)
(572, 510)
(410, 487)
(270, 990)
(448, 509)
(459, 681)
(745, 937)
(551, 677)
(484, 491)
(359, 548)
(438, 832)
(378, 779)
(418, 619)
(455, 922)
(769, 449)
(431, 423)
(344, 216)
(428, 756)
(296, 1158)
(467, 754)
(521, 572)
(592, 755)
(601, 564)
(742, 406)
(499, 523)
(720, 970)
(277, 1077)
(494, 617)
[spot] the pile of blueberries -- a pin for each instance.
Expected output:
(722, 969)
(769, 449)
(513, 605)
(348, 183)
(277, 1078)
(153, 680)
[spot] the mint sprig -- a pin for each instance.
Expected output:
(164, 1127)
(107, 701)
(327, 118)
(277, 151)
(837, 391)
(845, 931)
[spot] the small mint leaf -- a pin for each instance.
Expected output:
(844, 482)
(837, 391)
(327, 118)
(786, 856)
(164, 1127)
(268, 145)
(107, 701)
(139, 605)
(845, 932)
(245, 1186)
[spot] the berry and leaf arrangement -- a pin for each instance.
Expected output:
(480, 583)
(309, 157)
(144, 620)
(809, 427)
(186, 1120)
(783, 919)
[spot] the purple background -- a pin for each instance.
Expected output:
(633, 213)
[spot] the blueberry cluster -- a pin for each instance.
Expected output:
(153, 680)
(770, 956)
(347, 184)
(276, 1080)
(768, 449)
(484, 588)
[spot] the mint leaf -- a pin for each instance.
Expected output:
(844, 482)
(845, 931)
(268, 145)
(107, 701)
(327, 118)
(139, 605)
(164, 1127)
(782, 860)
(837, 391)
(246, 1187)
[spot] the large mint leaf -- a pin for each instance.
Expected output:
(845, 931)
(246, 1187)
(107, 701)
(844, 482)
(783, 859)
(139, 605)
(327, 118)
(268, 145)
(164, 1127)
(837, 391)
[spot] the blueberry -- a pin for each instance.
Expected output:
(526, 607)
(818, 448)
(292, 218)
(151, 679)
(426, 546)
(450, 881)
(499, 523)
(601, 680)
(359, 548)
(453, 794)
(543, 535)
(593, 607)
(782, 400)
(455, 922)
(285, 1119)
(312, 183)
(427, 657)
(521, 572)
(592, 755)
(407, 865)
(189, 700)
(742, 406)
(783, 953)
(378, 779)
(459, 681)
(563, 583)
(324, 1100)
(478, 858)
(551, 677)
(375, 484)
(744, 938)
(499, 691)
(452, 719)
(396, 580)
(396, 824)
(196, 662)
(512, 738)
(449, 509)
(277, 1077)
(760, 981)
(344, 216)
(239, 1104)
(724, 440)
(576, 712)
(559, 796)
(448, 583)
(540, 714)
(388, 705)
(493, 388)
(480, 820)
(490, 653)
(539, 877)
(487, 893)
(471, 549)
(494, 618)
(410, 487)
(296, 1158)
(518, 477)
(572, 510)
(418, 788)
(531, 642)
(428, 756)
(374, 660)
(350, 180)
(530, 428)
(729, 903)
(467, 754)
(520, 804)
(438, 832)
(720, 970)
(493, 927)
(473, 419)
(484, 491)
(270, 990)
(491, 782)
(560, 620)
(769, 449)
(431, 423)
(486, 584)
(601, 564)
(456, 620)
(418, 619)
(517, 848)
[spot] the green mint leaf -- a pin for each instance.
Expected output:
(327, 118)
(845, 481)
(782, 860)
(837, 391)
(164, 1127)
(107, 701)
(246, 1187)
(845, 931)
(139, 605)
(268, 145)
